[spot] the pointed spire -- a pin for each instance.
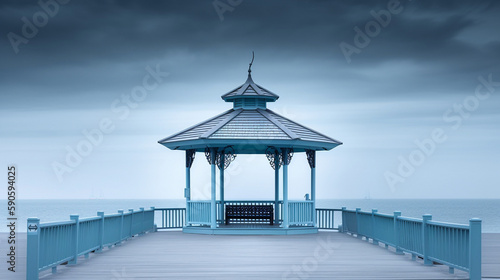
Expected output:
(250, 65)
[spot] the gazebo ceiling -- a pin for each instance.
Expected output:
(249, 128)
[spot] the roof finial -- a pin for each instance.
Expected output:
(250, 65)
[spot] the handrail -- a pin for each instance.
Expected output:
(455, 245)
(55, 243)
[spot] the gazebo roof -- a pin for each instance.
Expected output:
(250, 89)
(249, 127)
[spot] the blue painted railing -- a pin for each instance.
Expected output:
(325, 218)
(52, 244)
(199, 213)
(300, 213)
(455, 245)
(172, 217)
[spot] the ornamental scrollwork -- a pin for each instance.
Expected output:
(190, 154)
(225, 157)
(311, 158)
(274, 156)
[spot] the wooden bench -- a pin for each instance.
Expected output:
(249, 212)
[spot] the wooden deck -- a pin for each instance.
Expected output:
(327, 255)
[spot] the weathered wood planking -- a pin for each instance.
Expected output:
(174, 255)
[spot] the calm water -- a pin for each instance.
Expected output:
(456, 211)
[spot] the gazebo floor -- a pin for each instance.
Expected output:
(250, 229)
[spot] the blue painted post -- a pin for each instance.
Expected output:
(33, 247)
(475, 249)
(313, 194)
(425, 238)
(396, 232)
(153, 222)
(374, 227)
(142, 221)
(276, 188)
(121, 226)
(344, 221)
(357, 224)
(76, 230)
(187, 193)
(221, 211)
(285, 192)
(131, 222)
(213, 222)
(101, 231)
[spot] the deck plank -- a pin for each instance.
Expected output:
(327, 255)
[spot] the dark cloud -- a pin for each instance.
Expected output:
(102, 47)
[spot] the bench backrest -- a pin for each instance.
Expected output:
(249, 209)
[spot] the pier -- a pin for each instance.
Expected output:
(363, 245)
(175, 255)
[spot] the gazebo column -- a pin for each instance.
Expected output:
(276, 187)
(221, 168)
(187, 192)
(287, 156)
(213, 216)
(311, 158)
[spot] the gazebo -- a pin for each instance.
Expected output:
(250, 128)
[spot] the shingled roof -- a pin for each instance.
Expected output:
(249, 127)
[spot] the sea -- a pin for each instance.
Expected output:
(443, 210)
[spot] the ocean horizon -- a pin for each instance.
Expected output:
(444, 210)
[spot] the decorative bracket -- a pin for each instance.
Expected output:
(311, 158)
(208, 155)
(190, 157)
(287, 154)
(225, 157)
(273, 155)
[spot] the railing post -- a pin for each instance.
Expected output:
(33, 247)
(75, 218)
(131, 222)
(375, 241)
(344, 221)
(121, 226)
(142, 221)
(101, 231)
(357, 224)
(396, 232)
(425, 238)
(475, 249)
(153, 225)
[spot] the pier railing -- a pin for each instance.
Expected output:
(52, 244)
(325, 218)
(172, 217)
(455, 245)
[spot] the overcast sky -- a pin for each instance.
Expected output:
(411, 88)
